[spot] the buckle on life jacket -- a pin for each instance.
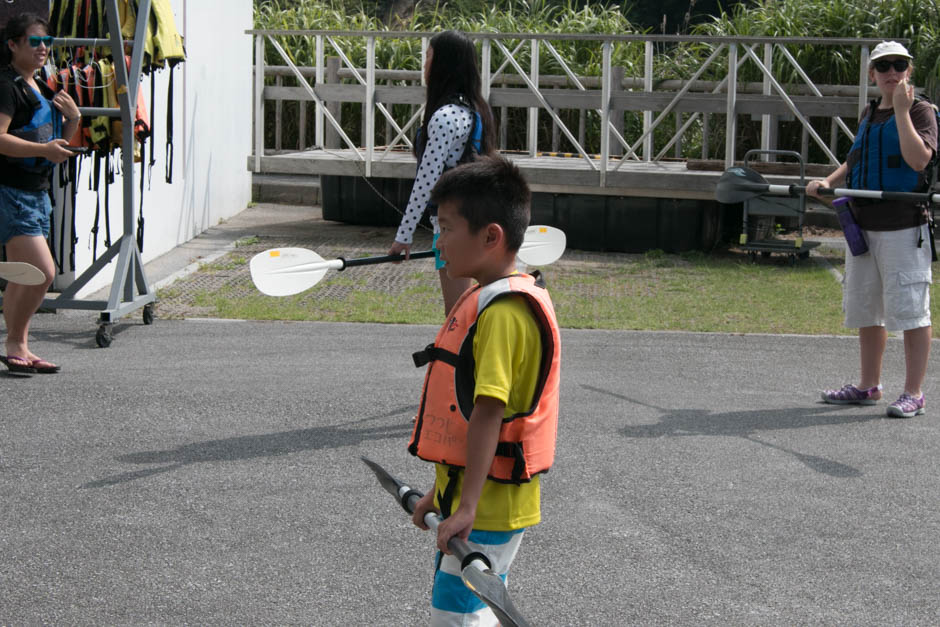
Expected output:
(432, 353)
(513, 450)
(446, 498)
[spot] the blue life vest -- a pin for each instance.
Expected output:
(44, 126)
(880, 164)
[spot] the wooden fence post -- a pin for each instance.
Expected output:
(331, 138)
(616, 115)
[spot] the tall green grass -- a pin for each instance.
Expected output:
(915, 20)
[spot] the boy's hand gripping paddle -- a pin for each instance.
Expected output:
(475, 567)
(286, 271)
(21, 272)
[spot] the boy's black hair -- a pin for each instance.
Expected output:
(15, 28)
(486, 191)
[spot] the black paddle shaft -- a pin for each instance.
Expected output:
(368, 261)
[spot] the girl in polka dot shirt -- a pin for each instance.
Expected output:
(453, 105)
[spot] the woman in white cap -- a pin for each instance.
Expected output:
(888, 287)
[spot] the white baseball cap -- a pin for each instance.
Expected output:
(889, 49)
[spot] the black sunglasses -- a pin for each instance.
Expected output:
(884, 65)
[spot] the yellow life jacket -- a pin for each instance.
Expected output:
(100, 129)
(127, 16)
(165, 43)
(527, 440)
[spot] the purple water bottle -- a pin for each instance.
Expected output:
(852, 231)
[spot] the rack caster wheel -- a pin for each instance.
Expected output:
(148, 313)
(104, 336)
(752, 257)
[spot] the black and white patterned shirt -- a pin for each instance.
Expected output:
(448, 131)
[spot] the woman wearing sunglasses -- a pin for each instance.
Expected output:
(33, 125)
(887, 288)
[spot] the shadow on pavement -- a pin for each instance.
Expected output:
(254, 446)
(744, 424)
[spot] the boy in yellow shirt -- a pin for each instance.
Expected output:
(489, 409)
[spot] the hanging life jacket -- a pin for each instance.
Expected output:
(526, 440)
(164, 45)
(876, 159)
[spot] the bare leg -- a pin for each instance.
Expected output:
(452, 289)
(872, 342)
(916, 353)
(20, 302)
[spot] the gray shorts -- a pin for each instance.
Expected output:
(889, 285)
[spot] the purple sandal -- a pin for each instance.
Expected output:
(907, 406)
(851, 395)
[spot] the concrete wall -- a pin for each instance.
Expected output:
(211, 136)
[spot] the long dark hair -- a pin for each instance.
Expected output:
(454, 71)
(16, 27)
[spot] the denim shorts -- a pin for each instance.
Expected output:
(23, 212)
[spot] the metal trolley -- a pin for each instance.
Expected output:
(777, 206)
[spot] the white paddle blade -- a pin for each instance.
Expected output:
(21, 273)
(542, 245)
(286, 271)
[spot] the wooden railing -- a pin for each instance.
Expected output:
(634, 110)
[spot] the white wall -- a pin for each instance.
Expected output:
(211, 137)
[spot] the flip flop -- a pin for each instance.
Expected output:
(17, 365)
(45, 367)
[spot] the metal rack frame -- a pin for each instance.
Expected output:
(129, 272)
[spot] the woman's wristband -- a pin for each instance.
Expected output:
(74, 119)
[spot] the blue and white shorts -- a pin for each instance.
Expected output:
(452, 602)
(23, 212)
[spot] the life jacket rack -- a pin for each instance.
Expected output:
(130, 289)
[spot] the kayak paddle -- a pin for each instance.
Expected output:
(21, 272)
(286, 271)
(738, 184)
(475, 568)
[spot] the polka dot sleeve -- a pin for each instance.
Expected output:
(448, 131)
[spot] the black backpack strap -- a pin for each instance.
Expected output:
(140, 213)
(108, 180)
(74, 174)
(169, 129)
(96, 180)
(153, 117)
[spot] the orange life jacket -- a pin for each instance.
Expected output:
(526, 440)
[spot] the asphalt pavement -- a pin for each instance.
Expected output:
(207, 472)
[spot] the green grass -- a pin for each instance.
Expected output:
(718, 292)
(693, 292)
